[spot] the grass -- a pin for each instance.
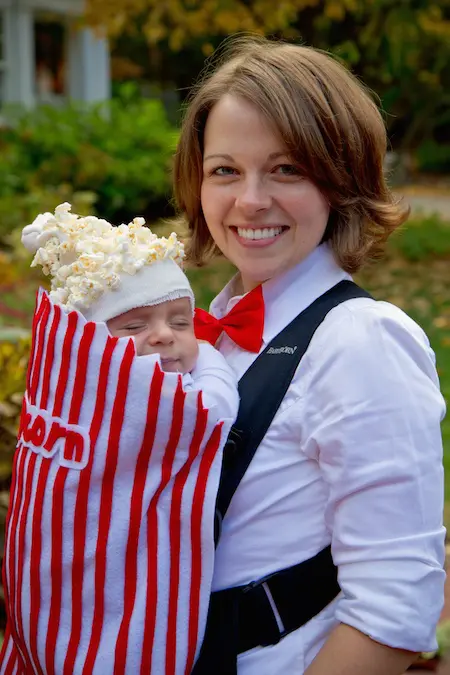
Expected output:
(415, 275)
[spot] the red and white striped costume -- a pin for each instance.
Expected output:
(109, 541)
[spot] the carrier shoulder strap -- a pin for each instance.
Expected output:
(264, 385)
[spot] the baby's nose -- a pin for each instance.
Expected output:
(161, 334)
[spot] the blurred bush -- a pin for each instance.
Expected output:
(400, 49)
(14, 351)
(17, 209)
(433, 157)
(14, 348)
(115, 155)
(422, 239)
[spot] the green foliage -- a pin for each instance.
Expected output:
(208, 281)
(13, 364)
(433, 157)
(420, 239)
(117, 155)
(402, 51)
(17, 209)
(399, 49)
(18, 284)
(443, 640)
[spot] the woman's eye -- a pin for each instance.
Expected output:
(223, 171)
(287, 170)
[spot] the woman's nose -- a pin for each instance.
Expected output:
(253, 197)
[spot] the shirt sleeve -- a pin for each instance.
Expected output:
(373, 413)
(217, 381)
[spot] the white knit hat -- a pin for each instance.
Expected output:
(153, 284)
(104, 271)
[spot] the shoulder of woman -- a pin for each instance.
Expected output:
(365, 331)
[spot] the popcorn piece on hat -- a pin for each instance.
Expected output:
(32, 235)
(102, 270)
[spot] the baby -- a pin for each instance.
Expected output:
(132, 280)
(110, 541)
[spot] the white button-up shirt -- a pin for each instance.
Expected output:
(353, 457)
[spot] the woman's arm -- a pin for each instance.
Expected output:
(349, 652)
(372, 416)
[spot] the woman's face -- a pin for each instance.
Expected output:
(263, 215)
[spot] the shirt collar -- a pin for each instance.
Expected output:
(226, 299)
(290, 293)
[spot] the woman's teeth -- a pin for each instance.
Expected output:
(266, 233)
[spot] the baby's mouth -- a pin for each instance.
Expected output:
(171, 364)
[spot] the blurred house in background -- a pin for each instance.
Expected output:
(46, 56)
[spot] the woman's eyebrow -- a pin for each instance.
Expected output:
(224, 156)
(273, 155)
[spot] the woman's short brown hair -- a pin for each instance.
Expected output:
(332, 129)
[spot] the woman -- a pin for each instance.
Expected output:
(280, 169)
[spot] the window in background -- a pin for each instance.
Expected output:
(50, 57)
(2, 57)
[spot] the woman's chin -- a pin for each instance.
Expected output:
(255, 275)
(260, 265)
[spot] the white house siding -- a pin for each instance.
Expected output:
(87, 69)
(2, 53)
(89, 76)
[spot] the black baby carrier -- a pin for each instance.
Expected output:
(265, 610)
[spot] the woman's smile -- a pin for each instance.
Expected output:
(257, 237)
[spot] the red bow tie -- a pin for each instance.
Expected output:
(244, 324)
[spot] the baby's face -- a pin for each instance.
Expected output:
(166, 329)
